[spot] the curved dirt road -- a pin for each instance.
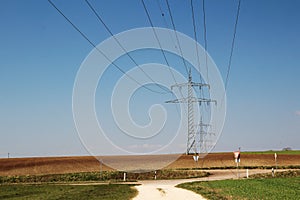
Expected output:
(165, 189)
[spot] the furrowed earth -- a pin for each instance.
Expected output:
(62, 165)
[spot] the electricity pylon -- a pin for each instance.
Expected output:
(203, 132)
(190, 100)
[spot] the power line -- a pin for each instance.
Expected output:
(156, 36)
(232, 44)
(174, 28)
(196, 40)
(205, 38)
(201, 92)
(101, 52)
(160, 46)
(205, 42)
(110, 32)
(165, 21)
(195, 34)
(162, 13)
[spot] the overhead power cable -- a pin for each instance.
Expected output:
(123, 48)
(205, 38)
(101, 52)
(232, 44)
(158, 41)
(201, 92)
(160, 46)
(165, 21)
(174, 28)
(196, 40)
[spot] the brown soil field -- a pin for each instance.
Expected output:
(225, 160)
(61, 165)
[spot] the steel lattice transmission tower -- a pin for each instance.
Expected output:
(190, 100)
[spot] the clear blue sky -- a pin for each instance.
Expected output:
(40, 54)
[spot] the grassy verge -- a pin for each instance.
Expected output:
(103, 192)
(283, 187)
(290, 152)
(245, 167)
(285, 174)
(113, 176)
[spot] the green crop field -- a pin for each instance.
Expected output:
(270, 188)
(290, 152)
(104, 176)
(45, 191)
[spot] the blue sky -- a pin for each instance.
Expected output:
(40, 54)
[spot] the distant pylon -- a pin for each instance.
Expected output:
(203, 132)
(190, 100)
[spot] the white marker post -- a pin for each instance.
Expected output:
(237, 158)
(275, 156)
(101, 170)
(196, 158)
(124, 177)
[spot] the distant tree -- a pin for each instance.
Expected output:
(287, 149)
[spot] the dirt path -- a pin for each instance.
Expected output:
(165, 189)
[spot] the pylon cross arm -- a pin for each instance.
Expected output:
(200, 85)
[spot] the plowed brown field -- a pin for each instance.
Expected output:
(60, 165)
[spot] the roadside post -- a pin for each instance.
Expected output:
(124, 177)
(275, 157)
(196, 158)
(101, 169)
(237, 159)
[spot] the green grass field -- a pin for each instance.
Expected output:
(103, 192)
(270, 188)
(105, 176)
(291, 152)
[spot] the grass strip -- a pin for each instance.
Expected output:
(284, 186)
(45, 191)
(113, 176)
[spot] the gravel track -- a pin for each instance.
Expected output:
(165, 189)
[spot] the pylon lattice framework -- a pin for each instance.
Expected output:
(190, 100)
